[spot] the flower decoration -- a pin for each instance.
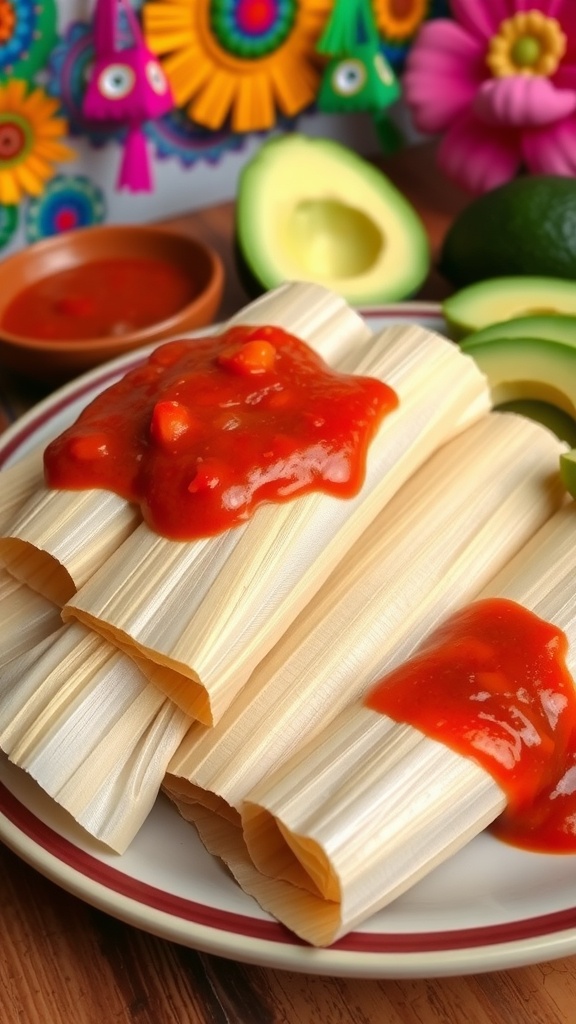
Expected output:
(238, 59)
(30, 143)
(27, 35)
(67, 203)
(498, 82)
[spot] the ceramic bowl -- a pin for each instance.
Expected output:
(49, 361)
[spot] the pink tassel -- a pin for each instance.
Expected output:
(135, 172)
(127, 86)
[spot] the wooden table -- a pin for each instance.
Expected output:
(63, 962)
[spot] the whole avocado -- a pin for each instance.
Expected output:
(527, 226)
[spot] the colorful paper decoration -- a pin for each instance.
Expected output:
(68, 68)
(127, 86)
(27, 35)
(358, 76)
(175, 136)
(243, 60)
(68, 202)
(29, 141)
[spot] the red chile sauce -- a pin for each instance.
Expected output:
(207, 430)
(99, 299)
(492, 684)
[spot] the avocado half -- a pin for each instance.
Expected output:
(313, 210)
(503, 298)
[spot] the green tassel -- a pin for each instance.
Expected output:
(351, 22)
(389, 135)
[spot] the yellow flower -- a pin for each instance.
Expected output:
(529, 43)
(243, 59)
(29, 141)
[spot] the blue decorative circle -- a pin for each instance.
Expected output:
(67, 203)
(252, 28)
(176, 136)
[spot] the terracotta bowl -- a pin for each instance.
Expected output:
(56, 360)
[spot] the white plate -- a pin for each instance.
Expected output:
(490, 907)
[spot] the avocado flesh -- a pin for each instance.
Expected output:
(311, 209)
(493, 301)
(527, 368)
(556, 327)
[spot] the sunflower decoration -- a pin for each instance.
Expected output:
(242, 60)
(30, 143)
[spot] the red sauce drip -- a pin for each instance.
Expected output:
(100, 299)
(492, 684)
(207, 430)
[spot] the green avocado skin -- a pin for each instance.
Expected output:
(527, 226)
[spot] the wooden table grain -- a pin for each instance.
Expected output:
(64, 962)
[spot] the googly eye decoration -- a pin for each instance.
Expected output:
(156, 78)
(349, 77)
(116, 81)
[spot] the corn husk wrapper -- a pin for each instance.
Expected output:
(83, 721)
(18, 483)
(74, 711)
(438, 542)
(369, 808)
(26, 617)
(204, 614)
(58, 539)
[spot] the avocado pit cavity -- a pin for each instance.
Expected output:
(331, 239)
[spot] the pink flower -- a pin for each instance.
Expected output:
(498, 84)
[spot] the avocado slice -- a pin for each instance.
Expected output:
(503, 298)
(559, 422)
(313, 210)
(539, 369)
(568, 471)
(555, 327)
